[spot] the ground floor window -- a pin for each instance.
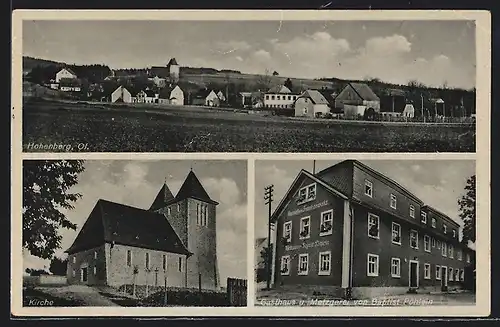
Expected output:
(438, 272)
(457, 275)
(450, 274)
(325, 259)
(372, 265)
(427, 271)
(285, 265)
(303, 264)
(95, 270)
(395, 267)
(462, 275)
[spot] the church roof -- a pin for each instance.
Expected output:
(111, 222)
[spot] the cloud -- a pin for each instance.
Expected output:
(388, 45)
(319, 48)
(238, 58)
(262, 55)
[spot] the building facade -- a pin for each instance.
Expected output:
(65, 73)
(351, 231)
(121, 94)
(280, 97)
(310, 103)
(358, 94)
(172, 243)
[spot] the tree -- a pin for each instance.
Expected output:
(263, 82)
(58, 266)
(467, 205)
(46, 190)
(275, 73)
(262, 271)
(288, 84)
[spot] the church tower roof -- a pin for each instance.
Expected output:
(163, 197)
(172, 62)
(192, 188)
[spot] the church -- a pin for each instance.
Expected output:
(172, 243)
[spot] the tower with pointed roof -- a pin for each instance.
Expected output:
(192, 214)
(173, 69)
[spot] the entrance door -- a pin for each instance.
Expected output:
(413, 274)
(84, 274)
(444, 278)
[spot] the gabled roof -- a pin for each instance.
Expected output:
(69, 70)
(116, 223)
(166, 91)
(364, 91)
(289, 193)
(329, 95)
(202, 93)
(192, 188)
(279, 89)
(172, 62)
(163, 197)
(315, 96)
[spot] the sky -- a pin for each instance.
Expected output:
(136, 183)
(432, 52)
(438, 183)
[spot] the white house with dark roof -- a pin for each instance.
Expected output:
(65, 73)
(310, 104)
(121, 94)
(172, 95)
(173, 241)
(280, 96)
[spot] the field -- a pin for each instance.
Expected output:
(106, 128)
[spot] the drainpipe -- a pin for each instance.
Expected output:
(351, 252)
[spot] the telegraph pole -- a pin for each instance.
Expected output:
(269, 199)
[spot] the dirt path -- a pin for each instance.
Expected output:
(88, 296)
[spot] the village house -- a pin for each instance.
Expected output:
(121, 94)
(221, 96)
(205, 97)
(252, 99)
(310, 104)
(173, 242)
(357, 99)
(69, 85)
(172, 95)
(279, 96)
(158, 81)
(352, 231)
(65, 73)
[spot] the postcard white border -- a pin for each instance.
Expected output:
(482, 157)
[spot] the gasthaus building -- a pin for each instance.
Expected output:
(350, 231)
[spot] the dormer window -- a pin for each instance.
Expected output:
(306, 194)
(368, 188)
(393, 201)
(433, 222)
(445, 229)
(454, 233)
(423, 217)
(412, 211)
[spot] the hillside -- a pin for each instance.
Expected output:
(29, 63)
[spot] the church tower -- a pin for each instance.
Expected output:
(173, 70)
(192, 214)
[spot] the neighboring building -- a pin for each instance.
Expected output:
(172, 95)
(330, 96)
(151, 96)
(139, 97)
(120, 245)
(65, 73)
(358, 94)
(409, 111)
(205, 97)
(121, 94)
(252, 99)
(69, 85)
(351, 231)
(279, 97)
(310, 103)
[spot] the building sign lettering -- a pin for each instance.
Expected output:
(307, 208)
(306, 246)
